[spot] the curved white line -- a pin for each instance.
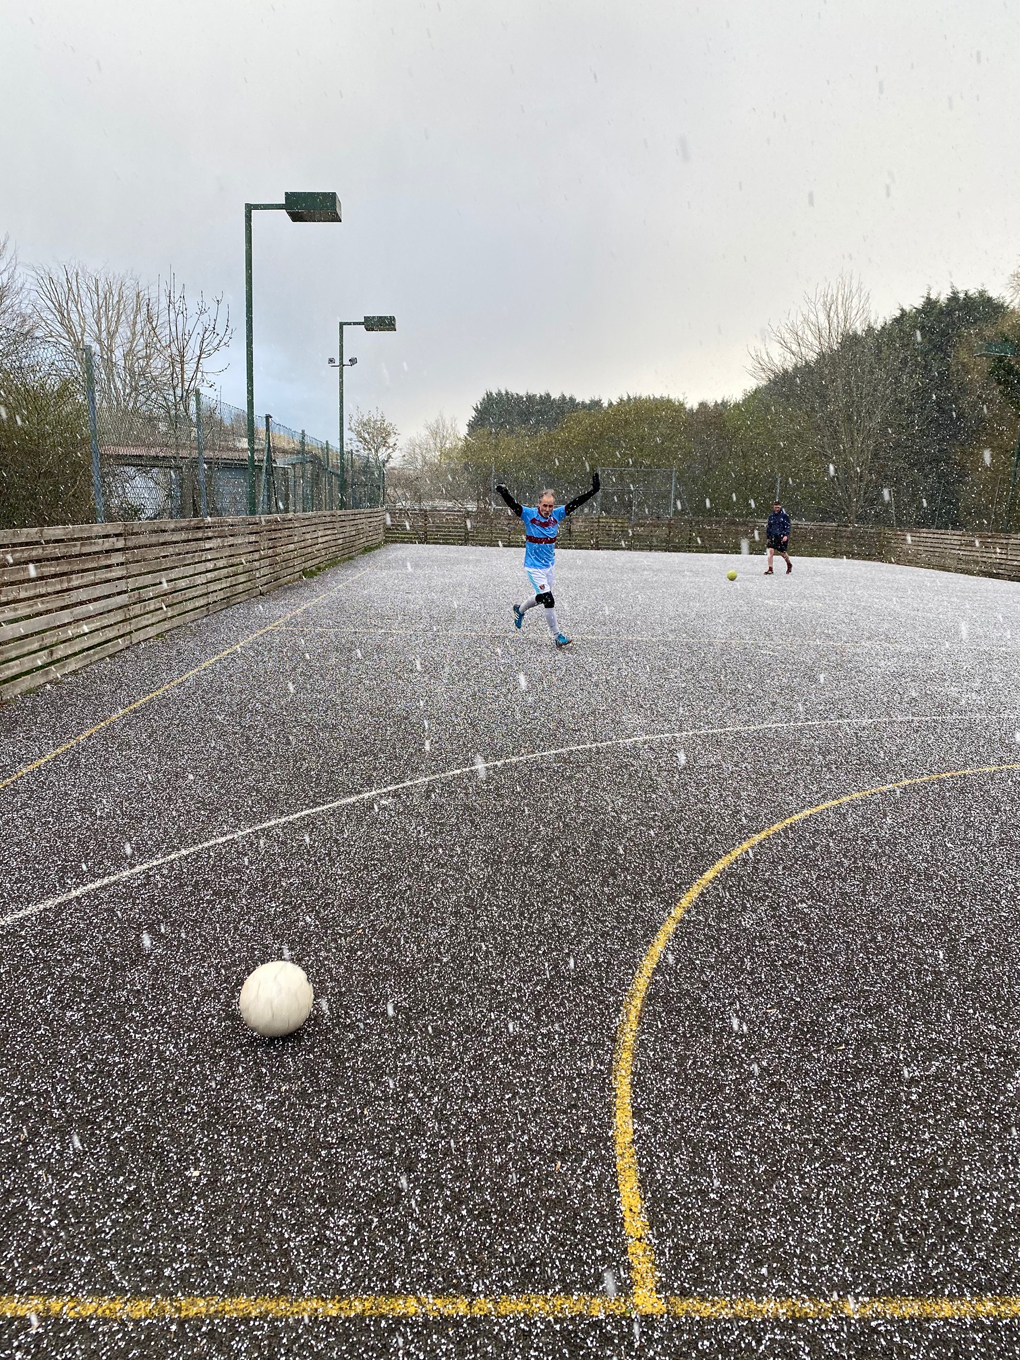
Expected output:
(475, 769)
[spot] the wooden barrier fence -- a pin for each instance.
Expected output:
(73, 594)
(943, 549)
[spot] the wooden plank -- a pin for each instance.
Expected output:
(58, 533)
(42, 587)
(11, 689)
(182, 574)
(80, 642)
(30, 608)
(38, 623)
(36, 553)
(27, 643)
(165, 574)
(156, 627)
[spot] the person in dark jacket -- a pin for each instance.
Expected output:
(777, 537)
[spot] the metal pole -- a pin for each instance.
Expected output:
(1012, 483)
(203, 502)
(343, 443)
(249, 356)
(672, 495)
(269, 489)
(90, 395)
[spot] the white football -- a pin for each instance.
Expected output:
(276, 999)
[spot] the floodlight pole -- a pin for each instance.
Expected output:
(249, 349)
(371, 323)
(299, 207)
(348, 482)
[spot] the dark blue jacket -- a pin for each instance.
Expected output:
(778, 525)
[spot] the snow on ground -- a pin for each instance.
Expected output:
(824, 1092)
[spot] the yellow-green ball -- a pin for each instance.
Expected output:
(731, 576)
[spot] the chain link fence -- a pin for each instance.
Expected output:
(626, 493)
(81, 442)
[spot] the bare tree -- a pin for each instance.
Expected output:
(183, 341)
(73, 306)
(13, 317)
(828, 362)
(374, 435)
(431, 468)
(439, 441)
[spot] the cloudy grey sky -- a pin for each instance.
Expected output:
(550, 194)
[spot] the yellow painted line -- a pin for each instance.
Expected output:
(171, 684)
(294, 1306)
(645, 1298)
(41, 1307)
(988, 1307)
(640, 1251)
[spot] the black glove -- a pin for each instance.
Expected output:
(595, 483)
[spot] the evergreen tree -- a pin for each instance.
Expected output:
(524, 412)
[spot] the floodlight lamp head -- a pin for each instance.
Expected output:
(312, 207)
(353, 361)
(380, 323)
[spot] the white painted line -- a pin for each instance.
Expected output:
(475, 768)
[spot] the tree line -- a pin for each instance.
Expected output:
(859, 421)
(153, 348)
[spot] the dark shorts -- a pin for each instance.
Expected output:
(778, 544)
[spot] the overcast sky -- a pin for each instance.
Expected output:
(560, 195)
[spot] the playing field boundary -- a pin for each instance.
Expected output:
(436, 777)
(640, 1248)
(644, 1297)
(71, 595)
(985, 554)
(172, 684)
(129, 1308)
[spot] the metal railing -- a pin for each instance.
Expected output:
(83, 440)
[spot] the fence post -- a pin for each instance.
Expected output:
(267, 506)
(203, 501)
(90, 396)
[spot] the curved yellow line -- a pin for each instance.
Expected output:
(170, 684)
(640, 1252)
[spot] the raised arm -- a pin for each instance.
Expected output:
(514, 505)
(578, 501)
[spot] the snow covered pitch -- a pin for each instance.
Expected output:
(666, 987)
